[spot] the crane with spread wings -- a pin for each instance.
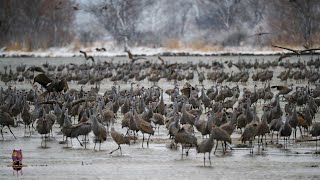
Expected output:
(132, 58)
(298, 52)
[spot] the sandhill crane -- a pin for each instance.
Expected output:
(162, 60)
(119, 139)
(259, 34)
(275, 125)
(315, 132)
(73, 131)
(51, 85)
(221, 135)
(98, 129)
(107, 116)
(242, 120)
(187, 117)
(157, 119)
(36, 68)
(174, 126)
(101, 49)
(293, 121)
(276, 111)
(161, 105)
(26, 117)
(143, 126)
(286, 131)
(43, 127)
(51, 119)
(6, 120)
(250, 131)
(125, 107)
(263, 127)
(81, 129)
(205, 99)
(132, 124)
(297, 52)
(283, 55)
(206, 147)
(125, 121)
(185, 138)
(230, 126)
(132, 58)
(86, 56)
(202, 126)
(283, 90)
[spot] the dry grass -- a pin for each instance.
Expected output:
(200, 45)
(172, 44)
(14, 46)
(76, 44)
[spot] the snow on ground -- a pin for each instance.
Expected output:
(112, 51)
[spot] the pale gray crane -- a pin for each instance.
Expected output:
(43, 127)
(98, 129)
(221, 135)
(185, 138)
(206, 146)
(285, 131)
(315, 132)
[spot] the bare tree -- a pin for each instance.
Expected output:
(119, 17)
(295, 21)
(36, 24)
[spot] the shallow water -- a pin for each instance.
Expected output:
(158, 161)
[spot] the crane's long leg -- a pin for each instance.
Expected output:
(85, 141)
(316, 144)
(2, 133)
(181, 151)
(204, 159)
(142, 139)
(265, 140)
(148, 140)
(12, 132)
(222, 145)
(45, 140)
(115, 150)
(187, 152)
(41, 140)
(79, 142)
(215, 148)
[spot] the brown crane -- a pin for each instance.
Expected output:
(6, 120)
(297, 52)
(86, 56)
(119, 139)
(185, 139)
(132, 58)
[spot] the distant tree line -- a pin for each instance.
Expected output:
(217, 22)
(33, 24)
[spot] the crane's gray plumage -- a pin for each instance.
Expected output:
(98, 129)
(185, 138)
(206, 146)
(6, 120)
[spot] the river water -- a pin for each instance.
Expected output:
(58, 161)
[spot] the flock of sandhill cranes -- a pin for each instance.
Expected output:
(191, 110)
